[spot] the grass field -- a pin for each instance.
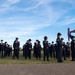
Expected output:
(22, 60)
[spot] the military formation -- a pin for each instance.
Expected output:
(57, 50)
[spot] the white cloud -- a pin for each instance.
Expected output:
(65, 22)
(43, 13)
(13, 1)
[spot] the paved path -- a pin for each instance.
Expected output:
(38, 69)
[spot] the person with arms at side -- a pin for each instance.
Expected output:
(46, 48)
(73, 48)
(63, 48)
(16, 46)
(59, 48)
(2, 48)
(29, 45)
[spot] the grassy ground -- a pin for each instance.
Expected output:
(22, 60)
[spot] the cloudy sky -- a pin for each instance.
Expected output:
(35, 18)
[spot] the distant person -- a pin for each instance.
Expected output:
(25, 49)
(10, 50)
(50, 51)
(63, 48)
(56, 50)
(16, 46)
(53, 49)
(40, 48)
(37, 49)
(28, 49)
(73, 48)
(67, 49)
(59, 48)
(6, 49)
(46, 48)
(2, 48)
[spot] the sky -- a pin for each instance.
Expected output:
(34, 19)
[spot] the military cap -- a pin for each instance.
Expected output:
(36, 40)
(29, 40)
(72, 37)
(5, 42)
(1, 40)
(16, 37)
(59, 34)
(62, 38)
(52, 41)
(45, 37)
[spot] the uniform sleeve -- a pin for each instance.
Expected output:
(59, 42)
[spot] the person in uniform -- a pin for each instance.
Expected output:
(59, 48)
(9, 50)
(37, 49)
(73, 48)
(56, 50)
(6, 49)
(63, 48)
(29, 48)
(25, 49)
(50, 50)
(2, 48)
(53, 49)
(16, 45)
(46, 48)
(67, 49)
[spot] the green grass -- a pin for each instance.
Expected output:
(9, 60)
(22, 60)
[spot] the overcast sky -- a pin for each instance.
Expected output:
(35, 18)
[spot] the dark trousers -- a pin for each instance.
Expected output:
(73, 55)
(29, 54)
(2, 53)
(64, 54)
(5, 53)
(25, 54)
(38, 54)
(16, 53)
(67, 53)
(46, 54)
(53, 54)
(50, 52)
(59, 54)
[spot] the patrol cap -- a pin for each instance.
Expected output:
(59, 34)
(37, 40)
(16, 37)
(52, 41)
(45, 37)
(62, 38)
(72, 37)
(1, 40)
(5, 42)
(29, 40)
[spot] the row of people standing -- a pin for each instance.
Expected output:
(58, 50)
(5, 49)
(61, 48)
(49, 50)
